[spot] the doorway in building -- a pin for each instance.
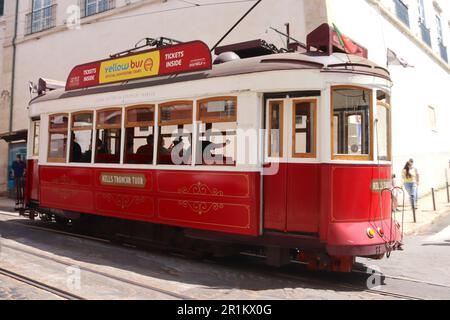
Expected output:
(14, 150)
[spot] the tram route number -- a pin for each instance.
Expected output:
(225, 310)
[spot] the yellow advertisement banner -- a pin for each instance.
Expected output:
(127, 68)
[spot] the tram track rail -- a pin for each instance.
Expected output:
(40, 285)
(101, 273)
(85, 268)
(290, 276)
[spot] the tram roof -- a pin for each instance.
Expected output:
(337, 63)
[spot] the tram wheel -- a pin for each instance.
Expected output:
(61, 221)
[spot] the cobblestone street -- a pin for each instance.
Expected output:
(115, 272)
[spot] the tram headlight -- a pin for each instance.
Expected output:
(370, 233)
(380, 231)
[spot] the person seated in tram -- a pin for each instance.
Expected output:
(178, 153)
(208, 147)
(77, 154)
(101, 148)
(148, 148)
(87, 156)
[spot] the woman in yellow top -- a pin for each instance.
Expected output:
(411, 181)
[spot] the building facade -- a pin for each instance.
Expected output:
(46, 38)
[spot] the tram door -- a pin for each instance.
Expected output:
(292, 173)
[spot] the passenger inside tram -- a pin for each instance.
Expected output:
(209, 149)
(147, 149)
(77, 155)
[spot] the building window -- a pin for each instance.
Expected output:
(401, 10)
(351, 123)
(81, 137)
(109, 132)
(432, 118)
(57, 147)
(91, 7)
(383, 126)
(304, 121)
(442, 47)
(276, 129)
(217, 131)
(36, 127)
(175, 133)
(139, 134)
(424, 30)
(2, 7)
(41, 17)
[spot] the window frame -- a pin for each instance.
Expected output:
(128, 125)
(433, 120)
(205, 120)
(82, 128)
(97, 127)
(36, 134)
(175, 122)
(108, 126)
(370, 156)
(313, 153)
(140, 124)
(216, 120)
(281, 134)
(389, 128)
(60, 131)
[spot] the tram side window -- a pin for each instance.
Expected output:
(217, 131)
(57, 147)
(276, 129)
(139, 136)
(304, 129)
(175, 133)
(36, 132)
(81, 137)
(382, 128)
(109, 123)
(351, 122)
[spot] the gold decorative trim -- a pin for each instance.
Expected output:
(199, 207)
(200, 188)
(63, 179)
(123, 201)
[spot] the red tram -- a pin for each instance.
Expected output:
(287, 152)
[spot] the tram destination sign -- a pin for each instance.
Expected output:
(123, 180)
(181, 58)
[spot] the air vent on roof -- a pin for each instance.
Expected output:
(226, 57)
(248, 49)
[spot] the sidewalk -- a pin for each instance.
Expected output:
(425, 215)
(7, 204)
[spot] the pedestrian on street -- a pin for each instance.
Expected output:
(19, 170)
(411, 181)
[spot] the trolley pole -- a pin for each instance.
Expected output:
(448, 193)
(434, 199)
(446, 182)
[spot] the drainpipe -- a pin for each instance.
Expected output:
(13, 75)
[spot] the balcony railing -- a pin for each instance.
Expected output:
(91, 7)
(443, 50)
(402, 12)
(41, 19)
(426, 34)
